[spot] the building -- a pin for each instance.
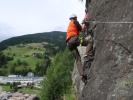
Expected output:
(21, 79)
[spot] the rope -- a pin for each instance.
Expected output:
(100, 22)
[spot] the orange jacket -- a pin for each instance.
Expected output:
(72, 30)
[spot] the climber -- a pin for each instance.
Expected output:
(73, 32)
(72, 39)
(88, 28)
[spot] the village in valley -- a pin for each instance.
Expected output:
(17, 87)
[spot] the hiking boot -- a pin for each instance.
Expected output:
(84, 78)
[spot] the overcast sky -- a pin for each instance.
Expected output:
(32, 16)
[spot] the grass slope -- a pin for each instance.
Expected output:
(25, 53)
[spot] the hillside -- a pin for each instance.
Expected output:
(30, 53)
(55, 37)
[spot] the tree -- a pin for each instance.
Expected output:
(41, 67)
(12, 69)
(58, 77)
(4, 59)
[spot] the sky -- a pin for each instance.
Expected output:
(34, 16)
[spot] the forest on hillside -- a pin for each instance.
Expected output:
(30, 53)
(55, 37)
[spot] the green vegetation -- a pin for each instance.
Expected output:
(27, 90)
(4, 59)
(30, 53)
(38, 53)
(24, 58)
(58, 75)
(6, 88)
(58, 84)
(56, 38)
(70, 95)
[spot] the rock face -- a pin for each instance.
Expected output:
(79, 85)
(111, 72)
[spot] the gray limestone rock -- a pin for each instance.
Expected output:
(111, 72)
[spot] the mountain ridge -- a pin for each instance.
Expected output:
(37, 37)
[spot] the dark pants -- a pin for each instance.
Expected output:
(73, 42)
(72, 45)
